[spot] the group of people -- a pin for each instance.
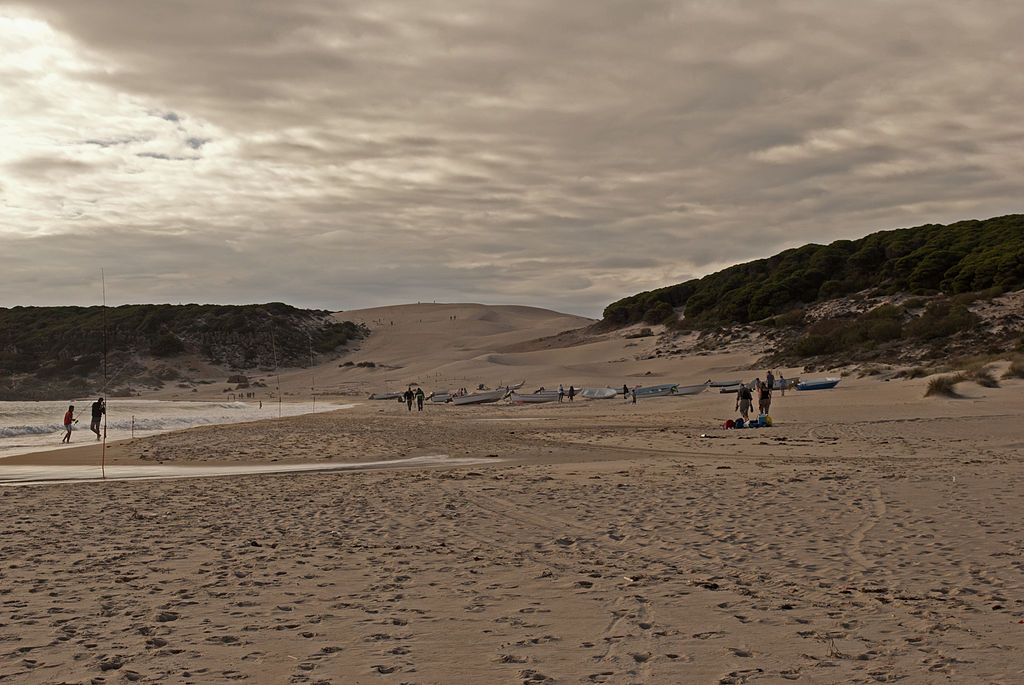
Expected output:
(762, 391)
(409, 395)
(99, 408)
(562, 393)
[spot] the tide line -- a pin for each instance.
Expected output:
(49, 475)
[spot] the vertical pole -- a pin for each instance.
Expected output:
(312, 376)
(103, 449)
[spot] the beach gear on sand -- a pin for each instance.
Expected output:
(730, 424)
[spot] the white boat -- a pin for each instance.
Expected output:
(657, 390)
(599, 393)
(384, 396)
(440, 396)
(724, 384)
(481, 397)
(690, 389)
(533, 397)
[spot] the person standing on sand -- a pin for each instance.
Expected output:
(782, 385)
(561, 392)
(407, 396)
(572, 392)
(99, 408)
(764, 398)
(625, 392)
(743, 400)
(69, 418)
(419, 399)
(633, 392)
(770, 380)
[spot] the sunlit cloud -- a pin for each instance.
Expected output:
(564, 155)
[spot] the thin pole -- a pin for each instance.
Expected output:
(103, 448)
(312, 376)
(273, 346)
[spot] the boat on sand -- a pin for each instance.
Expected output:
(690, 389)
(818, 383)
(599, 393)
(480, 397)
(384, 396)
(657, 390)
(533, 397)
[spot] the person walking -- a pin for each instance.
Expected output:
(572, 392)
(561, 392)
(743, 400)
(419, 399)
(770, 380)
(69, 418)
(99, 408)
(625, 393)
(633, 393)
(408, 396)
(782, 385)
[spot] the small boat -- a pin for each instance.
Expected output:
(533, 397)
(517, 385)
(657, 390)
(481, 397)
(385, 396)
(818, 384)
(724, 384)
(690, 389)
(440, 396)
(599, 393)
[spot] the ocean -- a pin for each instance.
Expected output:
(36, 426)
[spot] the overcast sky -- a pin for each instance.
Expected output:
(346, 154)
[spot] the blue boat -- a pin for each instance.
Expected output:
(818, 384)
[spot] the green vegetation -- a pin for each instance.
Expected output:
(62, 343)
(888, 324)
(965, 257)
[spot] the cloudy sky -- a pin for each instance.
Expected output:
(345, 154)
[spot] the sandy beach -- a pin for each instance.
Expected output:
(871, 535)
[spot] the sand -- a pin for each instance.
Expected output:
(871, 535)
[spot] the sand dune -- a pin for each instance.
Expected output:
(871, 535)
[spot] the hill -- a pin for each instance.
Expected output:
(968, 256)
(48, 352)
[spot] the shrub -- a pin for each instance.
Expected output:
(1015, 370)
(944, 385)
(642, 333)
(984, 378)
(916, 372)
(794, 317)
(941, 319)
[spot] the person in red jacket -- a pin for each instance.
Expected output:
(69, 418)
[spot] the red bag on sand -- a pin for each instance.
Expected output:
(730, 424)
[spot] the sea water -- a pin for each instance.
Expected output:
(36, 426)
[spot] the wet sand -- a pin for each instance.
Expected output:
(856, 541)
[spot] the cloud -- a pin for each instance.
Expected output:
(553, 154)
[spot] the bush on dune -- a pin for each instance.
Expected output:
(944, 386)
